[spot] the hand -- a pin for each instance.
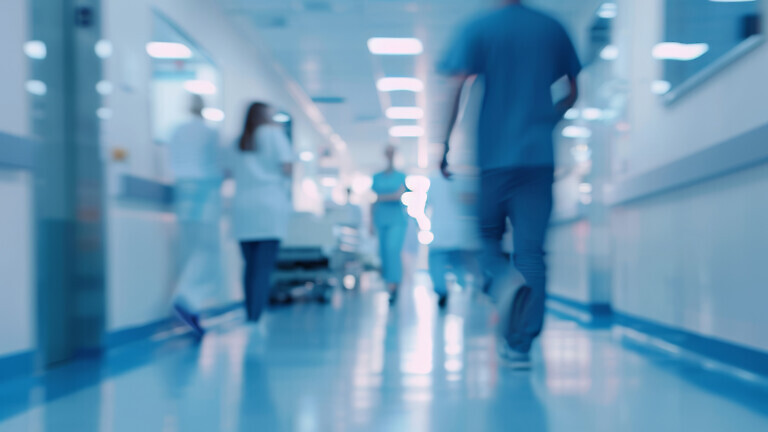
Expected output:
(444, 167)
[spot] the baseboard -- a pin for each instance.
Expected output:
(166, 326)
(602, 315)
(17, 364)
(593, 315)
(741, 357)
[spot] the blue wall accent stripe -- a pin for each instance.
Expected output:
(16, 152)
(748, 359)
(742, 152)
(18, 364)
(594, 309)
(146, 331)
(145, 190)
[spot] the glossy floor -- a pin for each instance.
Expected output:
(356, 365)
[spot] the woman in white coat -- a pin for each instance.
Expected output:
(262, 206)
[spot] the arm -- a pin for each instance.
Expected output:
(568, 103)
(458, 85)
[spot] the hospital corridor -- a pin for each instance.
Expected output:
(383, 215)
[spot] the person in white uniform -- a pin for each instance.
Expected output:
(262, 206)
(193, 159)
(456, 245)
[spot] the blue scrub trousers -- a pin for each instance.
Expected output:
(459, 262)
(524, 196)
(391, 241)
(260, 261)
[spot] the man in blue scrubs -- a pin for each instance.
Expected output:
(521, 53)
(391, 222)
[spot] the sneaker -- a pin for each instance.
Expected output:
(392, 298)
(514, 359)
(443, 301)
(190, 319)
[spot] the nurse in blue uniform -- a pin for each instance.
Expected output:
(390, 221)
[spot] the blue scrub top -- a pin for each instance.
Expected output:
(521, 53)
(389, 213)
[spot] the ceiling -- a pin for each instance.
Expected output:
(322, 45)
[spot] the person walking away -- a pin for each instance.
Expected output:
(193, 159)
(262, 206)
(390, 221)
(453, 218)
(521, 53)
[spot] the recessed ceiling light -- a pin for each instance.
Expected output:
(200, 87)
(213, 114)
(395, 46)
(281, 118)
(661, 87)
(679, 51)
(577, 132)
(400, 84)
(406, 131)
(35, 49)
(405, 113)
(168, 50)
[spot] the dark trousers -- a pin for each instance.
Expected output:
(260, 260)
(524, 196)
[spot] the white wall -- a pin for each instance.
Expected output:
(728, 104)
(16, 241)
(141, 240)
(693, 258)
(16, 256)
(13, 73)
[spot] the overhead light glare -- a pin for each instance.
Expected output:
(592, 114)
(35, 49)
(103, 49)
(608, 11)
(426, 238)
(307, 156)
(200, 87)
(610, 52)
(392, 84)
(679, 51)
(36, 87)
(213, 114)
(577, 132)
(661, 87)
(405, 113)
(406, 131)
(168, 50)
(281, 118)
(395, 46)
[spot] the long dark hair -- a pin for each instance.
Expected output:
(258, 115)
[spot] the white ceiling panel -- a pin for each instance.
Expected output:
(322, 45)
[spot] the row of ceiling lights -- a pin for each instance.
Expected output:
(400, 47)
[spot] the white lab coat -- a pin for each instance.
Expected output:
(454, 215)
(262, 205)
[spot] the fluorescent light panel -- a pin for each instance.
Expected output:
(200, 87)
(168, 50)
(35, 49)
(400, 84)
(577, 132)
(679, 51)
(406, 131)
(213, 114)
(395, 46)
(405, 113)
